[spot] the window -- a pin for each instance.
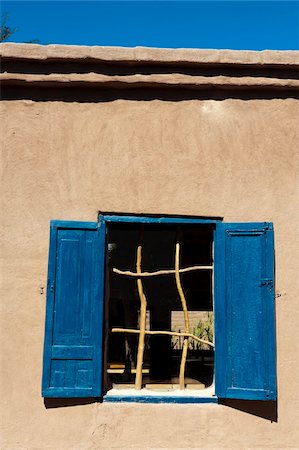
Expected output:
(148, 315)
(199, 318)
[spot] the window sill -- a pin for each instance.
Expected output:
(161, 396)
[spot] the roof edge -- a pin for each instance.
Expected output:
(149, 55)
(160, 80)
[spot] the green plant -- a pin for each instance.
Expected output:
(205, 330)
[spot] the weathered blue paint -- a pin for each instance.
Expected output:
(74, 315)
(245, 362)
(159, 399)
(245, 365)
(158, 220)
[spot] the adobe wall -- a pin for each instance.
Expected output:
(232, 157)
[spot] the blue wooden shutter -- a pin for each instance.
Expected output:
(74, 316)
(245, 363)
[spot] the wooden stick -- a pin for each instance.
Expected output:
(186, 316)
(169, 333)
(183, 364)
(179, 286)
(142, 324)
(159, 272)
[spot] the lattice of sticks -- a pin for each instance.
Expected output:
(143, 305)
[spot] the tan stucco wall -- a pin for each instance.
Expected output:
(233, 158)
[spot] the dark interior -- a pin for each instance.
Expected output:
(162, 353)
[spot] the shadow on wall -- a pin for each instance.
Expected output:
(46, 67)
(64, 402)
(83, 93)
(264, 409)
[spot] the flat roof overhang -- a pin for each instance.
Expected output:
(141, 67)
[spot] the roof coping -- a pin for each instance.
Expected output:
(149, 55)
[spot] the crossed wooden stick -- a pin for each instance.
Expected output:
(143, 304)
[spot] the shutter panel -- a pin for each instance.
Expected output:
(245, 363)
(74, 316)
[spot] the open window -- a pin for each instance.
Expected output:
(160, 304)
(208, 325)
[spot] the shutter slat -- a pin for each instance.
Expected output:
(72, 352)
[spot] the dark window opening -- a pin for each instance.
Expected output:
(162, 355)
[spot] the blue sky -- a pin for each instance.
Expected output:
(254, 25)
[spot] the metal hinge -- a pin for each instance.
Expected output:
(266, 282)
